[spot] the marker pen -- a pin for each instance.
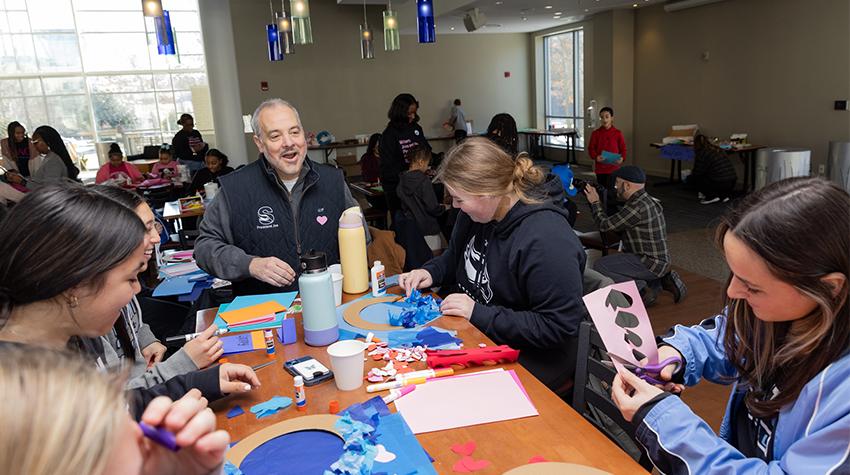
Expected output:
(373, 388)
(194, 335)
(397, 393)
(425, 373)
(160, 435)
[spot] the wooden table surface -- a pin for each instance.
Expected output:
(557, 434)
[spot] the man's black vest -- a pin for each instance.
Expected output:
(262, 221)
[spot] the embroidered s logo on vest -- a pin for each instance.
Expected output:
(265, 216)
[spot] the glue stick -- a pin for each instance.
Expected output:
(269, 336)
(300, 396)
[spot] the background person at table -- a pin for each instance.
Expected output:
(270, 212)
(131, 343)
(502, 131)
(89, 250)
(641, 223)
(713, 174)
(188, 144)
(457, 121)
(401, 135)
(166, 168)
(68, 419)
(418, 200)
(513, 260)
(782, 341)
(216, 166)
(370, 162)
(17, 152)
(117, 170)
(54, 162)
(607, 138)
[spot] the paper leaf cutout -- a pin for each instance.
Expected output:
(617, 299)
(626, 320)
(633, 338)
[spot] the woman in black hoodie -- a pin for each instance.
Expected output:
(402, 134)
(513, 260)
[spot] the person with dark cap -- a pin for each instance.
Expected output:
(645, 258)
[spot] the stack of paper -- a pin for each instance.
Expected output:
(465, 400)
(254, 312)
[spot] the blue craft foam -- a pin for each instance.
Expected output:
(287, 333)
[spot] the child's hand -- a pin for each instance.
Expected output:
(153, 353)
(205, 348)
(193, 424)
(236, 378)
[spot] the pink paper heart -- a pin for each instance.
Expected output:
(474, 465)
(465, 448)
(537, 459)
(322, 220)
(460, 467)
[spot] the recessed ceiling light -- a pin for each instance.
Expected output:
(557, 17)
(498, 3)
(548, 7)
(452, 28)
(634, 5)
(557, 13)
(524, 19)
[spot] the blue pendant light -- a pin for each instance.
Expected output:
(164, 34)
(425, 19)
(273, 37)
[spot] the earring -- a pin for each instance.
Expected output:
(73, 301)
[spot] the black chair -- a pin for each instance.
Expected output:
(591, 396)
(605, 242)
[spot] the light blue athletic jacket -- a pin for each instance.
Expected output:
(812, 434)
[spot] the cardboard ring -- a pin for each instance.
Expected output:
(323, 422)
(351, 314)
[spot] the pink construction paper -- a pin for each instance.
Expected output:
(465, 400)
(604, 313)
(512, 373)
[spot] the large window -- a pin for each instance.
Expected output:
(90, 69)
(564, 72)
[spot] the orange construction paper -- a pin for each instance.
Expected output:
(252, 312)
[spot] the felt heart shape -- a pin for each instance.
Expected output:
(383, 455)
(322, 220)
(537, 459)
(465, 449)
(460, 467)
(474, 465)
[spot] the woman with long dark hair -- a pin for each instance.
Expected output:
(17, 151)
(401, 135)
(370, 162)
(502, 131)
(782, 340)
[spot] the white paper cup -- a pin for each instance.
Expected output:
(335, 268)
(347, 364)
(337, 278)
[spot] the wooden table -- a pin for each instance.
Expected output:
(557, 434)
(747, 155)
(328, 148)
(538, 135)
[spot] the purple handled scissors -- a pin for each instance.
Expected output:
(648, 372)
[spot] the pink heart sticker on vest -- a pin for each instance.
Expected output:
(322, 220)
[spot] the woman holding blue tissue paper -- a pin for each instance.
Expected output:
(513, 262)
(782, 341)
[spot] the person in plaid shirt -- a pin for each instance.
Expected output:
(644, 233)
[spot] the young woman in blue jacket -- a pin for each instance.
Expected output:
(783, 342)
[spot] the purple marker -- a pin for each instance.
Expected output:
(161, 436)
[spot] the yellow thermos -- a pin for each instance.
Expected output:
(352, 252)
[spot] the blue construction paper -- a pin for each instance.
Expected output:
(236, 411)
(238, 343)
(677, 152)
(196, 291)
(271, 407)
(359, 449)
(284, 298)
(610, 157)
(302, 452)
(243, 301)
(179, 285)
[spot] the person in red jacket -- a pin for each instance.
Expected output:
(607, 138)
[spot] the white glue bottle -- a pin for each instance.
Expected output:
(300, 397)
(379, 282)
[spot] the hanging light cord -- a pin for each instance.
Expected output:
(365, 21)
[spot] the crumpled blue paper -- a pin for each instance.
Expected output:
(271, 407)
(434, 338)
(230, 469)
(417, 309)
(236, 411)
(359, 449)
